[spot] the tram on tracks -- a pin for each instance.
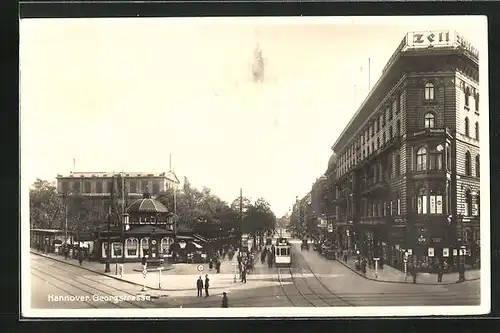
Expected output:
(282, 253)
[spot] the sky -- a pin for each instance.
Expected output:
(123, 94)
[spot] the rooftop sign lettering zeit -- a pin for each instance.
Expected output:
(429, 39)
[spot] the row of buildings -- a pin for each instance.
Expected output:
(404, 175)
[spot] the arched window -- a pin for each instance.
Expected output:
(131, 248)
(429, 120)
(468, 203)
(165, 244)
(468, 168)
(422, 200)
(467, 96)
(398, 128)
(476, 128)
(477, 166)
(421, 159)
(144, 250)
(436, 158)
(467, 126)
(429, 91)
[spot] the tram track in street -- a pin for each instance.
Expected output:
(77, 278)
(287, 294)
(322, 284)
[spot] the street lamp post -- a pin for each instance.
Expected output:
(107, 268)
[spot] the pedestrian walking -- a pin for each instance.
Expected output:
(244, 275)
(66, 250)
(414, 272)
(207, 285)
(461, 273)
(440, 273)
(225, 301)
(217, 266)
(199, 286)
(80, 257)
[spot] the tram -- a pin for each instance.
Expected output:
(282, 253)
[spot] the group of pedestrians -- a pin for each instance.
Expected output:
(200, 285)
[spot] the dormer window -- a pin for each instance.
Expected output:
(429, 91)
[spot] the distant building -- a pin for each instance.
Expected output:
(97, 186)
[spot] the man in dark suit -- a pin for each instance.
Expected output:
(207, 285)
(199, 286)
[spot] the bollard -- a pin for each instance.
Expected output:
(159, 277)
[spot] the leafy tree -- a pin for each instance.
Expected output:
(45, 206)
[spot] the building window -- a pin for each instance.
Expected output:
(477, 102)
(476, 128)
(145, 186)
(429, 120)
(378, 143)
(110, 187)
(144, 247)
(389, 166)
(384, 138)
(65, 186)
(398, 164)
(86, 187)
(468, 168)
(468, 203)
(429, 91)
(391, 207)
(448, 157)
(117, 250)
(395, 106)
(165, 244)
(467, 97)
(377, 125)
(436, 158)
(467, 126)
(422, 201)
(156, 188)
(131, 248)
(389, 113)
(76, 186)
(477, 166)
(382, 120)
(421, 159)
(398, 207)
(398, 128)
(372, 129)
(98, 187)
(133, 186)
(373, 147)
(401, 101)
(435, 204)
(390, 132)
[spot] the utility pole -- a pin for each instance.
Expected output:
(66, 218)
(241, 218)
(108, 248)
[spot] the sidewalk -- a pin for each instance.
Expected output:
(176, 277)
(392, 275)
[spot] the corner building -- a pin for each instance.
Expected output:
(407, 164)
